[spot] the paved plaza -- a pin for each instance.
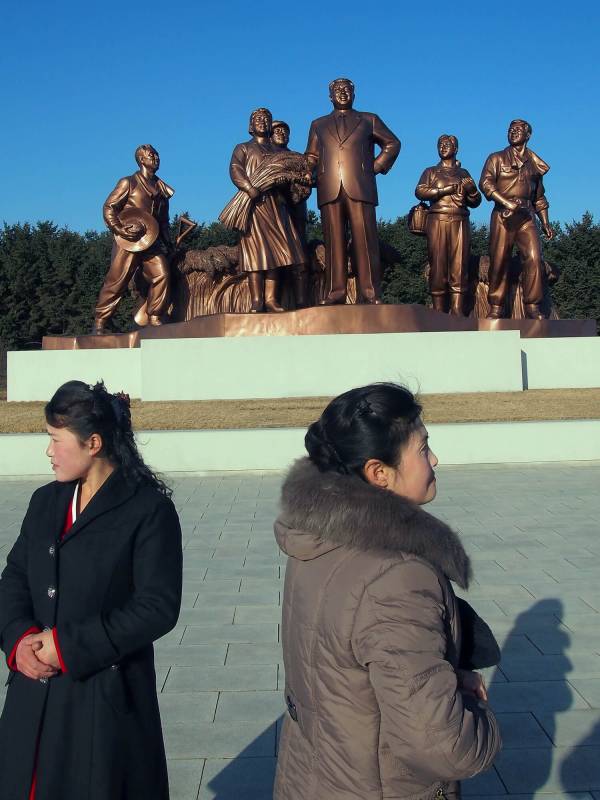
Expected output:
(532, 532)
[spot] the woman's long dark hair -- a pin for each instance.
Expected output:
(86, 410)
(373, 421)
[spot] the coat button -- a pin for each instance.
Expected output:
(114, 666)
(51, 592)
(44, 681)
(52, 550)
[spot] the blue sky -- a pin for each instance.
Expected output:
(83, 84)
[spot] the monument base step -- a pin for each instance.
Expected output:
(325, 320)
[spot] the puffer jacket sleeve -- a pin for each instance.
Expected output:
(426, 721)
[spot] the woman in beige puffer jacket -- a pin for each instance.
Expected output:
(377, 707)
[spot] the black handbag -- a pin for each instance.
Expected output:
(479, 648)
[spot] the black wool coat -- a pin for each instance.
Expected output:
(110, 588)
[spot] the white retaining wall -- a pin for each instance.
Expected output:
(309, 366)
(276, 448)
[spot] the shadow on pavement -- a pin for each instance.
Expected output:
(527, 692)
(248, 776)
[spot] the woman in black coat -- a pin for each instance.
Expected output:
(92, 580)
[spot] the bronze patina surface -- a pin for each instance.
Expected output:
(137, 214)
(335, 319)
(270, 241)
(341, 151)
(513, 179)
(451, 191)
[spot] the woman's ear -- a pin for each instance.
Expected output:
(94, 444)
(376, 473)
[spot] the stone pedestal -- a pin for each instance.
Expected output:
(326, 320)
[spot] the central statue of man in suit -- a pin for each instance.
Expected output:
(341, 147)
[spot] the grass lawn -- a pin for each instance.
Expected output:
(298, 412)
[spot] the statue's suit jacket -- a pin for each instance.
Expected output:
(349, 161)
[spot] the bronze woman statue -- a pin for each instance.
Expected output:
(271, 240)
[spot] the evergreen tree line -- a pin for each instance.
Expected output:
(50, 276)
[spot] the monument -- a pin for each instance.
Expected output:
(296, 194)
(137, 213)
(341, 150)
(513, 179)
(451, 192)
(269, 239)
(277, 282)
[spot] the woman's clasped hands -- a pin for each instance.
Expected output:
(36, 656)
(472, 683)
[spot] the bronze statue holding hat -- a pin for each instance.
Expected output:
(137, 213)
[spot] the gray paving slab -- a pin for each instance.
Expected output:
(192, 739)
(572, 727)
(522, 730)
(266, 653)
(259, 632)
(532, 795)
(589, 689)
(488, 783)
(532, 532)
(233, 678)
(265, 706)
(537, 770)
(558, 695)
(242, 779)
(247, 614)
(550, 668)
(176, 707)
(194, 655)
(184, 777)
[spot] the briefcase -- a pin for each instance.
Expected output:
(417, 219)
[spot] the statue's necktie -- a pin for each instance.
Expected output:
(342, 125)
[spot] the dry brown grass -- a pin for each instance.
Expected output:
(537, 404)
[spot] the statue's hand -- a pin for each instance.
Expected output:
(468, 184)
(132, 231)
(548, 232)
(511, 205)
(452, 188)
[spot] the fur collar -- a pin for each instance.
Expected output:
(327, 508)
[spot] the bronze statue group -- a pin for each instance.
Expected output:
(269, 211)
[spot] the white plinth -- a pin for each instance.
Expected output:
(37, 374)
(562, 363)
(276, 448)
(308, 366)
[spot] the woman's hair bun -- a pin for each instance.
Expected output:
(321, 450)
(373, 421)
